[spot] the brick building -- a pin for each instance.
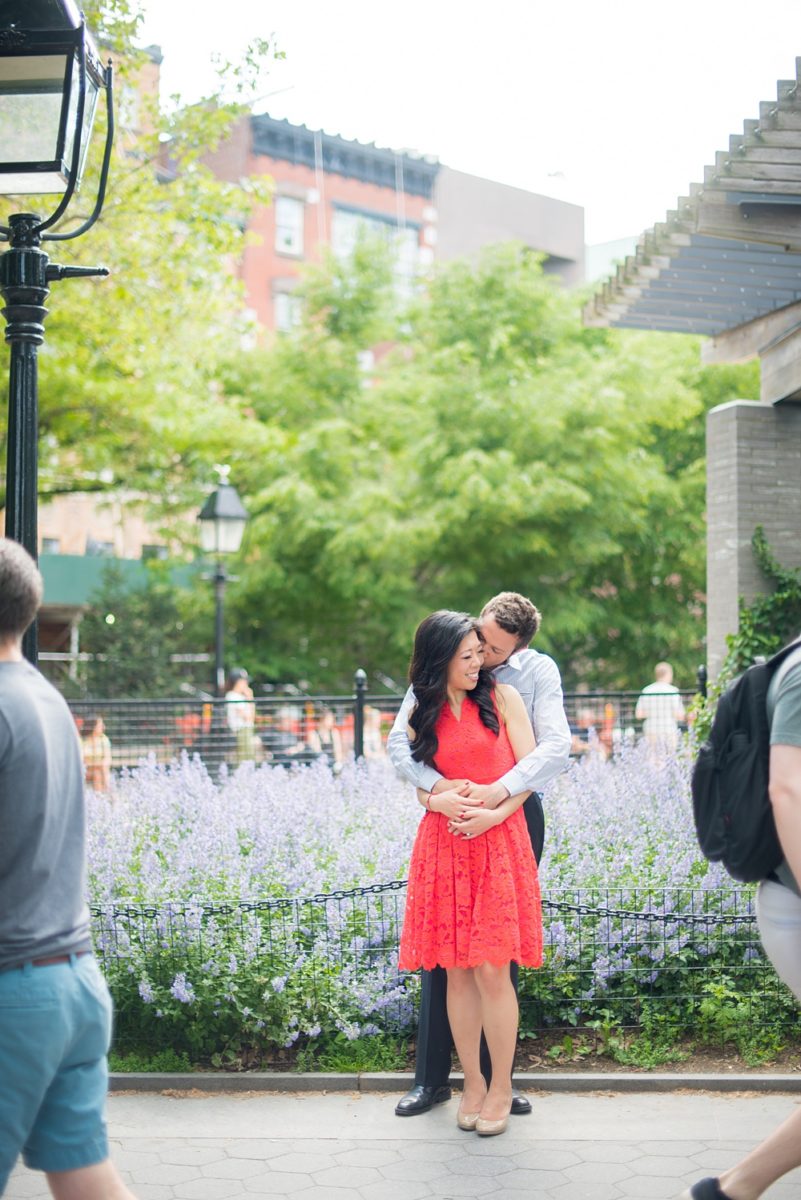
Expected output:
(328, 188)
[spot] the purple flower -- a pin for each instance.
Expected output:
(181, 989)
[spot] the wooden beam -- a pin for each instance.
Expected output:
(747, 340)
(779, 226)
(780, 365)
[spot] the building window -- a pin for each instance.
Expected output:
(151, 551)
(347, 227)
(286, 311)
(289, 215)
(51, 545)
(97, 549)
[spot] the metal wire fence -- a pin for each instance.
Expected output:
(278, 971)
(287, 730)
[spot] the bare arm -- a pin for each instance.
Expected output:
(521, 735)
(785, 796)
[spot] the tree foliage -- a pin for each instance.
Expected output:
(128, 393)
(498, 444)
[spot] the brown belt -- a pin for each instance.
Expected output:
(50, 962)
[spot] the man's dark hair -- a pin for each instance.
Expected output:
(514, 613)
(20, 589)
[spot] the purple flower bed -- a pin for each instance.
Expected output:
(222, 920)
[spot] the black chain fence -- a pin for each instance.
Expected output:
(663, 963)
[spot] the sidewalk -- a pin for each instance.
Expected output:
(579, 1145)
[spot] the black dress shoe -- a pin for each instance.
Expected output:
(705, 1189)
(521, 1105)
(420, 1099)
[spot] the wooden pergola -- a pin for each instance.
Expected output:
(726, 263)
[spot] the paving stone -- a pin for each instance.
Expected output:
(585, 1191)
(644, 1187)
(395, 1189)
(164, 1173)
(467, 1185)
(128, 1160)
(197, 1156)
(233, 1168)
(24, 1183)
(306, 1163)
(208, 1189)
(598, 1152)
(533, 1182)
(262, 1149)
(367, 1156)
(672, 1149)
(421, 1172)
(652, 1164)
(329, 1193)
(545, 1160)
(349, 1177)
(490, 1166)
(277, 1183)
(154, 1191)
(430, 1151)
(599, 1172)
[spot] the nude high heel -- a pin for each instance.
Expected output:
(486, 1128)
(466, 1121)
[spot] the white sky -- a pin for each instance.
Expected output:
(616, 106)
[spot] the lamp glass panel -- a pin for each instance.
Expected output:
(90, 107)
(231, 533)
(31, 93)
(209, 536)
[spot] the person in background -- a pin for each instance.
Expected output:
(56, 1008)
(660, 709)
(240, 717)
(508, 622)
(373, 741)
(96, 751)
(326, 739)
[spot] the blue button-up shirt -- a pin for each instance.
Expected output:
(536, 677)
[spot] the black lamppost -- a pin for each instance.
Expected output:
(222, 525)
(50, 80)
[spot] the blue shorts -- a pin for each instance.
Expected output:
(55, 1028)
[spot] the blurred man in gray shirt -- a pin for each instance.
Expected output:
(55, 1009)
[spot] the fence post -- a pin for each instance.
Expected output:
(701, 676)
(358, 713)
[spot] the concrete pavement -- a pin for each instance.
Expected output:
(581, 1145)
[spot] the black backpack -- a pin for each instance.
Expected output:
(732, 809)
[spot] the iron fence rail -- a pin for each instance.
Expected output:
(285, 730)
(680, 960)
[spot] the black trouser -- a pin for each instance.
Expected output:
(434, 1038)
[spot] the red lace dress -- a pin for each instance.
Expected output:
(471, 900)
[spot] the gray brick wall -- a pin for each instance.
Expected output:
(753, 478)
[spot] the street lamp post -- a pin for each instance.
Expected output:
(222, 525)
(50, 80)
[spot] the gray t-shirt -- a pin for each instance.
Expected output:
(43, 909)
(784, 718)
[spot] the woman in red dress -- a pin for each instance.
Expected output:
(473, 899)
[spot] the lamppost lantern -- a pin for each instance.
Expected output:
(49, 69)
(222, 520)
(50, 82)
(222, 526)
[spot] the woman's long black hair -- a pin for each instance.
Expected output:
(436, 641)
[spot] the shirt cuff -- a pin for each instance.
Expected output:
(514, 782)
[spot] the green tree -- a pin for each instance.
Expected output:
(134, 630)
(498, 445)
(128, 393)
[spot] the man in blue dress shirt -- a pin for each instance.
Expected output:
(509, 621)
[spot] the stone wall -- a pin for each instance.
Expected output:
(753, 478)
